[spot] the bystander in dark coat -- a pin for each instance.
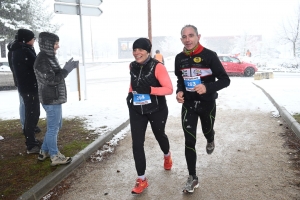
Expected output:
(23, 58)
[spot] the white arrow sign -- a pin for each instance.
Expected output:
(74, 10)
(86, 2)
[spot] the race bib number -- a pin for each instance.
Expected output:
(191, 82)
(141, 99)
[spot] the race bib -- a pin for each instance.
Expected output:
(191, 82)
(141, 99)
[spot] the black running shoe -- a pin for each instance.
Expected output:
(37, 130)
(191, 184)
(210, 147)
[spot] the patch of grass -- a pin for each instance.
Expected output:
(297, 117)
(21, 171)
(292, 142)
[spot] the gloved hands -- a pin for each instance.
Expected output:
(70, 65)
(129, 99)
(143, 89)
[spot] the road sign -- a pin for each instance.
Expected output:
(74, 10)
(79, 7)
(84, 2)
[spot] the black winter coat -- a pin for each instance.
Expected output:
(22, 60)
(51, 80)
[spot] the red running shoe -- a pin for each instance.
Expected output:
(140, 185)
(168, 162)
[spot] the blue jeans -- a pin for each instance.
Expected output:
(22, 111)
(54, 124)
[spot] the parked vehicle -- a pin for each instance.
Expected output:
(234, 66)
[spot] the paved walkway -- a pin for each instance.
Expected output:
(249, 161)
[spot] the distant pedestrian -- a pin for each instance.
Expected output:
(197, 69)
(149, 84)
(248, 53)
(21, 61)
(10, 48)
(158, 56)
(52, 94)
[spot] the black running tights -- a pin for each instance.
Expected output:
(138, 125)
(190, 113)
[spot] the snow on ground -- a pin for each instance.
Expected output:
(105, 107)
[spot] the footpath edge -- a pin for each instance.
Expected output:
(287, 117)
(49, 182)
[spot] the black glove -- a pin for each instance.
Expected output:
(143, 89)
(70, 65)
(129, 99)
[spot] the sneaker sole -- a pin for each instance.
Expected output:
(68, 161)
(191, 191)
(209, 151)
(28, 152)
(132, 192)
(42, 159)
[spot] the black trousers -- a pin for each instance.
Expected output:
(138, 125)
(32, 115)
(190, 113)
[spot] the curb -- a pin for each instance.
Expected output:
(288, 118)
(50, 181)
(259, 75)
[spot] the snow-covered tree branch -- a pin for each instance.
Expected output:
(29, 14)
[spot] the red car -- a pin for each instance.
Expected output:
(233, 66)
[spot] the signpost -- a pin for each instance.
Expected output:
(79, 7)
(86, 2)
(74, 10)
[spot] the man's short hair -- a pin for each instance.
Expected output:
(157, 51)
(192, 26)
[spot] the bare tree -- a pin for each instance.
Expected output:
(289, 29)
(244, 42)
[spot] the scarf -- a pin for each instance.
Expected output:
(197, 49)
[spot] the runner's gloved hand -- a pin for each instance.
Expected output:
(129, 99)
(143, 89)
(70, 65)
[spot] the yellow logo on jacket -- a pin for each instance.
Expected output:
(197, 59)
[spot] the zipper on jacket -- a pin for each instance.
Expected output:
(190, 66)
(138, 84)
(139, 75)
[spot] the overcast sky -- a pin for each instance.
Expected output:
(129, 18)
(212, 17)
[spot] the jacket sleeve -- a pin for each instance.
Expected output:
(45, 74)
(130, 87)
(220, 73)
(9, 55)
(164, 79)
(178, 73)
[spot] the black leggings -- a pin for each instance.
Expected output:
(32, 115)
(138, 125)
(189, 120)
